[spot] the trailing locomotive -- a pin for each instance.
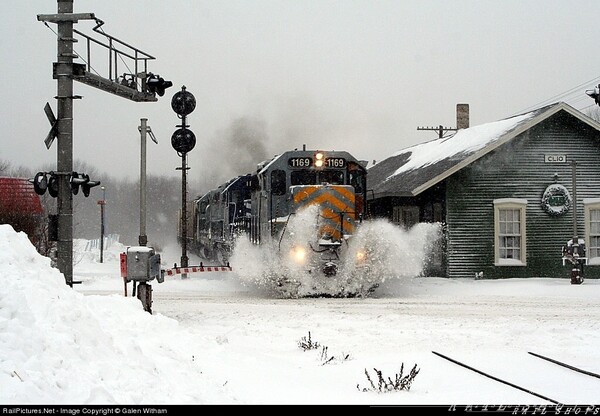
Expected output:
(301, 207)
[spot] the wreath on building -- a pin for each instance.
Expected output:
(556, 200)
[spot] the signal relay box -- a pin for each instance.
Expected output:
(143, 264)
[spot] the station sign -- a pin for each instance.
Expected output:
(555, 158)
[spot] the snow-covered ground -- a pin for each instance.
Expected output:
(214, 339)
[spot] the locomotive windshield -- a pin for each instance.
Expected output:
(312, 177)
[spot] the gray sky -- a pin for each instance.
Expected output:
(270, 75)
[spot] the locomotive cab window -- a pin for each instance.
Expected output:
(278, 186)
(303, 177)
(357, 177)
(333, 177)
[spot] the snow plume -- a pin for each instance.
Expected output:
(270, 266)
(377, 252)
(393, 252)
(60, 347)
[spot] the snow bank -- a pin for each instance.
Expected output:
(59, 346)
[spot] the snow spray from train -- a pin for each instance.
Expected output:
(301, 209)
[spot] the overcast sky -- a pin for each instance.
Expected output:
(270, 75)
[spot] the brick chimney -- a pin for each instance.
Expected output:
(462, 116)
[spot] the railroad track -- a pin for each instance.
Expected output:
(508, 383)
(570, 367)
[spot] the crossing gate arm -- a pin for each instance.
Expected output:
(196, 269)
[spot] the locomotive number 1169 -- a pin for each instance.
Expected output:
(306, 162)
(335, 162)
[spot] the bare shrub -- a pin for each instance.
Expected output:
(384, 385)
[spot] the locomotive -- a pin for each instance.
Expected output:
(302, 209)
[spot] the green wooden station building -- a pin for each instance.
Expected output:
(505, 194)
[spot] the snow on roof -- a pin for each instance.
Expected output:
(463, 141)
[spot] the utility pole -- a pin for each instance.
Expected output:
(102, 203)
(65, 71)
(440, 129)
(143, 128)
(64, 74)
(143, 239)
(462, 121)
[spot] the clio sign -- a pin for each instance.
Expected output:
(555, 158)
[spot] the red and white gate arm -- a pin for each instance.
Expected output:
(196, 269)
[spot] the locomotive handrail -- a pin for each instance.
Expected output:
(284, 227)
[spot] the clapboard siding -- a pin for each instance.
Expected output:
(517, 170)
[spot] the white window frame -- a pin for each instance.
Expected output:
(512, 204)
(590, 204)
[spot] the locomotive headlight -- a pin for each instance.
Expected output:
(319, 159)
(298, 254)
(361, 256)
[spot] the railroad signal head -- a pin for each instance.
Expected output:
(183, 140)
(183, 102)
(155, 84)
(595, 94)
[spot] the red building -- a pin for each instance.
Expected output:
(21, 207)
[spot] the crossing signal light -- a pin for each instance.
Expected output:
(76, 180)
(155, 84)
(48, 181)
(85, 188)
(40, 183)
(45, 181)
(84, 181)
(53, 185)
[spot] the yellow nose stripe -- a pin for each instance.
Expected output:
(336, 203)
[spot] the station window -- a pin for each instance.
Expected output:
(509, 230)
(592, 229)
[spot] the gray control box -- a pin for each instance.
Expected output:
(143, 264)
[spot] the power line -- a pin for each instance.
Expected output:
(574, 92)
